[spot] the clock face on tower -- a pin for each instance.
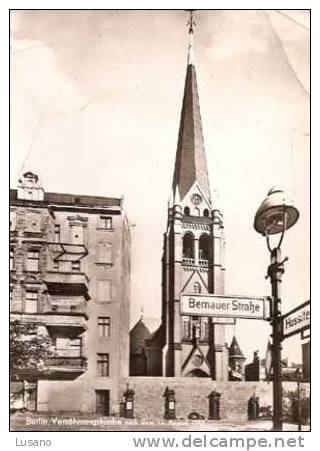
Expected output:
(196, 199)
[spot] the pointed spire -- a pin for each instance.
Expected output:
(234, 349)
(190, 165)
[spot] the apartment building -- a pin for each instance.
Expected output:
(70, 277)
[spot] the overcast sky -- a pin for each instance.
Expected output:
(95, 108)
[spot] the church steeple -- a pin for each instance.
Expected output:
(190, 165)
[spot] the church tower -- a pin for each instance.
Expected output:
(193, 250)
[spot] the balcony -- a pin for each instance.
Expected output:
(188, 261)
(67, 251)
(55, 368)
(70, 324)
(67, 283)
(64, 367)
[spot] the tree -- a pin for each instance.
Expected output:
(28, 348)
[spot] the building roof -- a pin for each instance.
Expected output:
(190, 165)
(73, 199)
(234, 349)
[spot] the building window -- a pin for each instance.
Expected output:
(186, 211)
(56, 265)
(204, 247)
(75, 345)
(103, 290)
(57, 233)
(188, 245)
(105, 222)
(105, 253)
(186, 328)
(12, 221)
(197, 287)
(103, 365)
(10, 298)
(31, 302)
(33, 260)
(11, 259)
(104, 326)
(75, 266)
(206, 213)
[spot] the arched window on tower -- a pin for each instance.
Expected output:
(204, 246)
(196, 211)
(197, 287)
(206, 213)
(186, 211)
(188, 246)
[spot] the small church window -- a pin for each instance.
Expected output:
(197, 211)
(197, 287)
(204, 247)
(187, 211)
(204, 332)
(186, 328)
(206, 213)
(188, 245)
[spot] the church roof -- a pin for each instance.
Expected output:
(138, 334)
(234, 349)
(190, 165)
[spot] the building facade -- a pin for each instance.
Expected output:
(193, 255)
(70, 277)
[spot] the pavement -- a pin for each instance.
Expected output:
(28, 421)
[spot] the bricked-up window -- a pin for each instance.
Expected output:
(105, 253)
(103, 365)
(13, 221)
(104, 326)
(105, 222)
(33, 260)
(75, 266)
(57, 233)
(11, 259)
(186, 328)
(31, 302)
(103, 290)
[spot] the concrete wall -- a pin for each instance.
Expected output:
(191, 395)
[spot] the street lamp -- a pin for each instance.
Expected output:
(273, 217)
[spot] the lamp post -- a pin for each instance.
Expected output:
(274, 216)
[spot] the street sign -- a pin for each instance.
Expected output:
(222, 306)
(305, 334)
(296, 321)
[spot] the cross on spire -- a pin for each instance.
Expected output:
(191, 22)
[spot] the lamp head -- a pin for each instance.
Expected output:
(274, 215)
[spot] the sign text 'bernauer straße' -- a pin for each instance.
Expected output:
(224, 306)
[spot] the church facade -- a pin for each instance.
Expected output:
(193, 255)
